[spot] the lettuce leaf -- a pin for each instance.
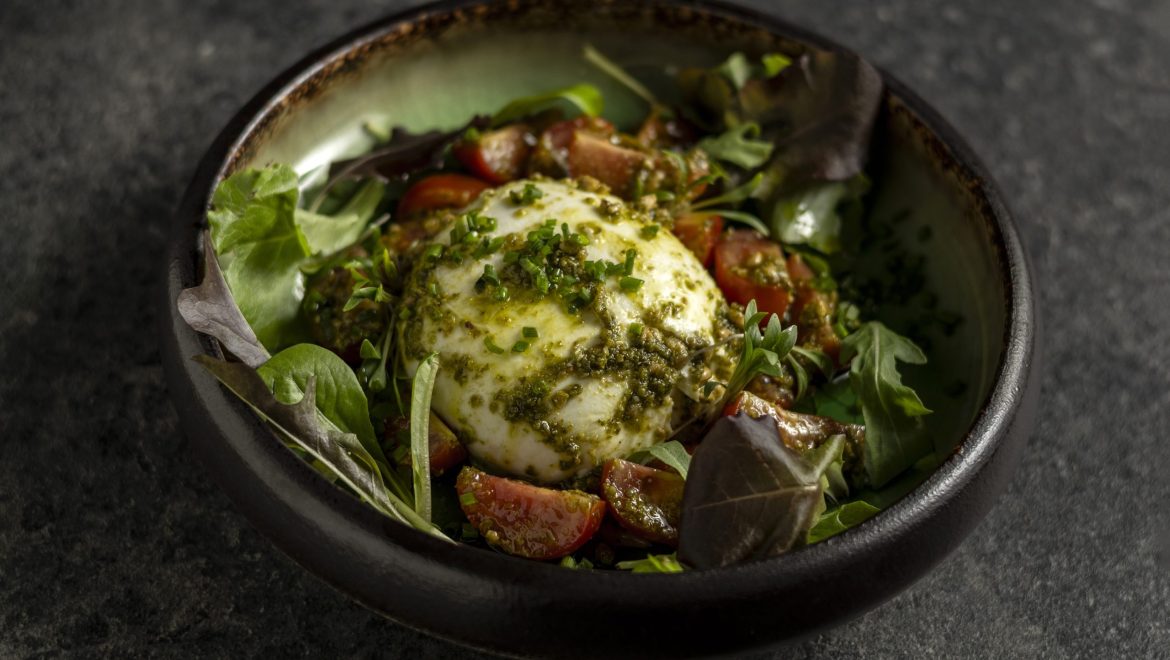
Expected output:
(840, 518)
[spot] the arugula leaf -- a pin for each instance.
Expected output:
(840, 518)
(338, 397)
(327, 234)
(611, 69)
(420, 414)
(748, 497)
(837, 400)
(210, 309)
(894, 438)
(302, 427)
(762, 352)
(813, 216)
(673, 454)
(585, 97)
(652, 564)
(739, 145)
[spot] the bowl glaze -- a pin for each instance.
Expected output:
(433, 67)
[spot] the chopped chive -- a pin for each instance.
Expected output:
(468, 499)
(491, 346)
(520, 346)
(530, 332)
(501, 293)
(433, 251)
(628, 268)
(635, 329)
(649, 231)
(630, 284)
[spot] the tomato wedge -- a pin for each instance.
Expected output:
(440, 191)
(551, 156)
(812, 309)
(699, 233)
(526, 520)
(749, 266)
(613, 165)
(497, 156)
(645, 501)
(445, 449)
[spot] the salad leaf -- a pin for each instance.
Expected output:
(420, 414)
(302, 427)
(210, 309)
(653, 564)
(611, 69)
(403, 154)
(748, 497)
(673, 454)
(838, 401)
(840, 518)
(892, 411)
(739, 145)
(338, 397)
(584, 96)
(737, 69)
(813, 216)
(762, 352)
(327, 234)
(253, 206)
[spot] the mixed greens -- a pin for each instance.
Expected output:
(790, 421)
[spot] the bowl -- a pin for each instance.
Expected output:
(433, 67)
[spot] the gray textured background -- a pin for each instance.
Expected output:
(112, 542)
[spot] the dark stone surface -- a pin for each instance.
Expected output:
(113, 543)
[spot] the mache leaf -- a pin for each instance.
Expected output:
(327, 234)
(301, 426)
(583, 96)
(338, 396)
(748, 496)
(209, 308)
(739, 145)
(892, 411)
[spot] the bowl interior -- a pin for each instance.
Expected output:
(939, 261)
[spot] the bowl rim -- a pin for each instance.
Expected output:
(377, 543)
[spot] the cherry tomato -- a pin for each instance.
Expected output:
(700, 234)
(497, 156)
(613, 165)
(812, 309)
(551, 156)
(440, 191)
(749, 266)
(645, 501)
(526, 520)
(657, 132)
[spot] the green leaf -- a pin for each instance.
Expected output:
(838, 401)
(253, 205)
(327, 234)
(304, 428)
(339, 397)
(611, 69)
(653, 564)
(585, 97)
(840, 518)
(813, 216)
(774, 63)
(893, 430)
(420, 413)
(673, 454)
(739, 145)
(736, 69)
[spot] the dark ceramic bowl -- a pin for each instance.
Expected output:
(437, 65)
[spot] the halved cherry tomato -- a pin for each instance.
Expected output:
(645, 501)
(749, 266)
(440, 191)
(445, 449)
(657, 132)
(497, 156)
(526, 520)
(699, 233)
(812, 309)
(551, 155)
(798, 431)
(613, 165)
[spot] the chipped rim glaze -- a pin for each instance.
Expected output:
(492, 601)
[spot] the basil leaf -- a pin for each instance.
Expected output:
(302, 427)
(739, 146)
(338, 397)
(327, 234)
(420, 414)
(894, 437)
(840, 518)
(585, 97)
(813, 216)
(210, 309)
(748, 496)
(673, 454)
